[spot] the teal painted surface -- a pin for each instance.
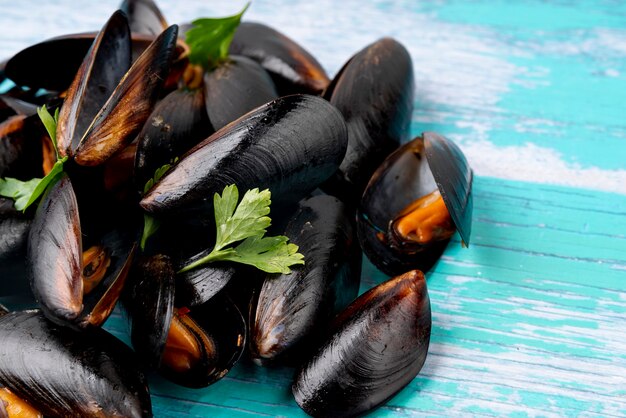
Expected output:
(529, 320)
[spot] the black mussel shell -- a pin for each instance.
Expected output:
(374, 92)
(69, 374)
(378, 346)
(199, 285)
(289, 145)
(149, 301)
(11, 106)
(293, 308)
(454, 178)
(21, 147)
(234, 88)
(14, 227)
(24, 68)
(293, 69)
(104, 110)
(224, 341)
(144, 16)
(55, 258)
(106, 62)
(217, 326)
(420, 167)
(178, 122)
(3, 310)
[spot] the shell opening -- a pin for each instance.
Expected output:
(16, 407)
(96, 262)
(186, 344)
(423, 221)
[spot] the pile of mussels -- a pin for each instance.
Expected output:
(268, 117)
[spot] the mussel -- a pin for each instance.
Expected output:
(415, 201)
(191, 347)
(292, 68)
(234, 88)
(378, 346)
(144, 16)
(21, 147)
(293, 308)
(75, 287)
(108, 102)
(178, 122)
(289, 145)
(374, 91)
(11, 406)
(14, 227)
(68, 374)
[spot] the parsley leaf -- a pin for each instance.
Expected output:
(209, 39)
(151, 224)
(18, 190)
(25, 193)
(50, 123)
(248, 222)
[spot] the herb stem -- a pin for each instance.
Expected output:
(214, 255)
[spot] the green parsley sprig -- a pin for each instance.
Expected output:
(151, 224)
(209, 39)
(25, 193)
(247, 223)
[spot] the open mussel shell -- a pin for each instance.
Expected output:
(427, 166)
(178, 122)
(149, 301)
(234, 88)
(144, 16)
(105, 109)
(289, 145)
(378, 346)
(65, 374)
(293, 69)
(293, 308)
(374, 91)
(60, 274)
(191, 347)
(14, 227)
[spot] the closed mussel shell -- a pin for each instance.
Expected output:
(14, 227)
(378, 346)
(178, 122)
(413, 204)
(289, 145)
(234, 88)
(68, 374)
(144, 16)
(293, 69)
(374, 91)
(293, 308)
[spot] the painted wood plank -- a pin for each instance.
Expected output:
(522, 323)
(528, 320)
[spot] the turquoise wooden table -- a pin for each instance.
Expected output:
(529, 321)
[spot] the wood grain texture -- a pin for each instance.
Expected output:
(529, 320)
